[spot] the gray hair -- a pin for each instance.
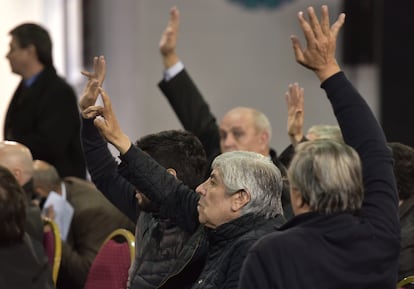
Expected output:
(326, 131)
(257, 175)
(328, 175)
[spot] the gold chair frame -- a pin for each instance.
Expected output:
(129, 237)
(58, 246)
(407, 280)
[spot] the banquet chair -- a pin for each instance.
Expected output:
(110, 267)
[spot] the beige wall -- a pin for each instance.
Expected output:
(237, 57)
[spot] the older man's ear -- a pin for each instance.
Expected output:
(240, 199)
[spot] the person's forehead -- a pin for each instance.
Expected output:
(14, 42)
(216, 175)
(237, 119)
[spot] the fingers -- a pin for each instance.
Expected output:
(92, 112)
(100, 124)
(294, 96)
(90, 94)
(337, 25)
(95, 63)
(325, 20)
(297, 49)
(100, 69)
(314, 23)
(306, 28)
(107, 110)
(87, 73)
(92, 84)
(174, 19)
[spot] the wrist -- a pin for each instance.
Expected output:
(170, 60)
(295, 138)
(122, 144)
(328, 71)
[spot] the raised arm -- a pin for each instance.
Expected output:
(168, 41)
(295, 104)
(378, 217)
(359, 127)
(183, 95)
(176, 200)
(101, 164)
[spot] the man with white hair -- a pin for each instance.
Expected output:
(236, 205)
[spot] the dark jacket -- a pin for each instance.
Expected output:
(195, 116)
(23, 266)
(227, 244)
(406, 267)
(94, 218)
(45, 118)
(34, 223)
(163, 249)
(339, 250)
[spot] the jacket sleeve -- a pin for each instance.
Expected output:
(175, 199)
(193, 111)
(105, 174)
(361, 130)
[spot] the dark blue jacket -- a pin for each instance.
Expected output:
(339, 250)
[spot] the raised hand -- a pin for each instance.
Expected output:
(168, 41)
(319, 53)
(95, 80)
(108, 125)
(295, 104)
(99, 70)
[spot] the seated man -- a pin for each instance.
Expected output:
(167, 256)
(94, 218)
(18, 159)
(241, 128)
(236, 205)
(22, 265)
(345, 233)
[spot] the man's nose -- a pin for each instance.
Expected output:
(229, 140)
(201, 189)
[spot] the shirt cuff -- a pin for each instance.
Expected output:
(171, 72)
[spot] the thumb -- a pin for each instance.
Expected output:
(99, 123)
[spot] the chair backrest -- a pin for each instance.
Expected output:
(406, 281)
(111, 265)
(53, 246)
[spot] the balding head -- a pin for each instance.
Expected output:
(18, 159)
(245, 129)
(45, 178)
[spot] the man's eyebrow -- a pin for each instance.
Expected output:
(213, 176)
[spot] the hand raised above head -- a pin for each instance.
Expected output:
(168, 41)
(95, 80)
(99, 70)
(89, 96)
(319, 53)
(295, 104)
(108, 125)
